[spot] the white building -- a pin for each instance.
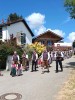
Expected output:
(62, 44)
(19, 29)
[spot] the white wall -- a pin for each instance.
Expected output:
(63, 44)
(16, 28)
(5, 34)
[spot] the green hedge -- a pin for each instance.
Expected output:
(5, 50)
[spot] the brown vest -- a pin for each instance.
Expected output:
(45, 56)
(34, 56)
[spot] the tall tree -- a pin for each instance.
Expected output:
(73, 44)
(13, 17)
(70, 7)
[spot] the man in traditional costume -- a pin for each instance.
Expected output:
(45, 59)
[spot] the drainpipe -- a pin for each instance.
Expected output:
(6, 33)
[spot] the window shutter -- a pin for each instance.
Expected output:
(18, 37)
(0, 33)
(23, 38)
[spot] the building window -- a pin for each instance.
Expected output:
(23, 38)
(0, 33)
(49, 42)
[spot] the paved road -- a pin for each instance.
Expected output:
(37, 86)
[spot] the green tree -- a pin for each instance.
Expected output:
(7, 49)
(13, 17)
(70, 7)
(73, 44)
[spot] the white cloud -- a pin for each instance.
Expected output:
(35, 20)
(40, 30)
(59, 32)
(71, 36)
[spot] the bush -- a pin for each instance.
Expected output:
(5, 50)
(28, 50)
(34, 46)
(38, 47)
(73, 44)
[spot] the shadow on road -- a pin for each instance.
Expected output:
(70, 65)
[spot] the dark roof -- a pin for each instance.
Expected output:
(49, 32)
(13, 22)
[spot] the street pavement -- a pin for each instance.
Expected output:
(34, 85)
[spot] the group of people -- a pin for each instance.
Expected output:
(47, 58)
(43, 61)
(16, 66)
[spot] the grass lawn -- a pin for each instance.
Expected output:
(68, 90)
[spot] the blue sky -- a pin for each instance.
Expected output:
(41, 15)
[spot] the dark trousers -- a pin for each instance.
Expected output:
(60, 63)
(34, 63)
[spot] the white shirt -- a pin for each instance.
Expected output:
(61, 54)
